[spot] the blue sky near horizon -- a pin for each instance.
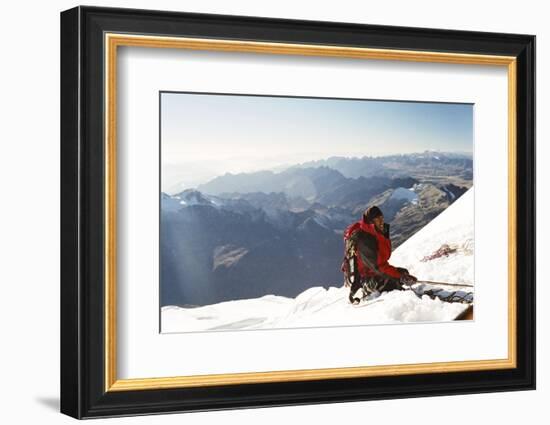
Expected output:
(204, 135)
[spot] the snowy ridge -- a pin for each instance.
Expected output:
(312, 308)
(406, 194)
(318, 306)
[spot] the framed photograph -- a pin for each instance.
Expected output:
(261, 212)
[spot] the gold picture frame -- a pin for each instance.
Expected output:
(114, 41)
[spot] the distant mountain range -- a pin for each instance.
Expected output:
(251, 234)
(311, 178)
(431, 164)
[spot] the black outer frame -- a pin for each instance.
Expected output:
(82, 204)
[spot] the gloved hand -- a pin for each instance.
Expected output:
(407, 279)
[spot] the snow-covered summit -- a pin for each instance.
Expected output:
(441, 251)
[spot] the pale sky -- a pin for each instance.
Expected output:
(205, 135)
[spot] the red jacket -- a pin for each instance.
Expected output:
(373, 250)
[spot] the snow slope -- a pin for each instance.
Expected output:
(453, 227)
(318, 306)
